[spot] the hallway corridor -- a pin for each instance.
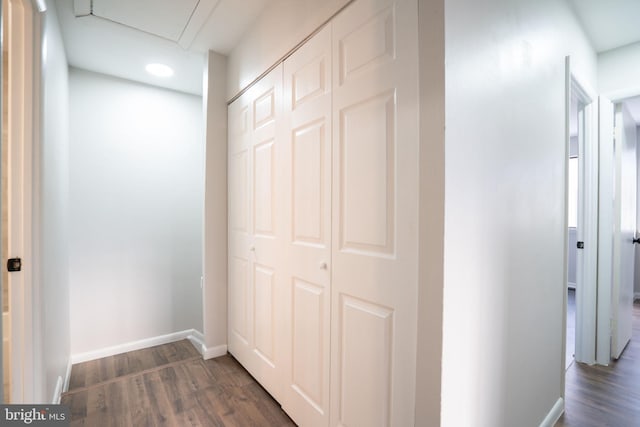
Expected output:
(606, 396)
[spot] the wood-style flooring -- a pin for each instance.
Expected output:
(168, 385)
(606, 396)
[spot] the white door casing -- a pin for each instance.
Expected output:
(307, 169)
(375, 214)
(624, 230)
(255, 231)
(23, 126)
(605, 229)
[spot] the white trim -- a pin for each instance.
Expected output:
(197, 339)
(57, 392)
(586, 259)
(23, 128)
(554, 414)
(605, 228)
(190, 334)
(211, 352)
(67, 377)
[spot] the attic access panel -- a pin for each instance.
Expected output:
(165, 18)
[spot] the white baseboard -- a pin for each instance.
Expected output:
(554, 415)
(197, 339)
(134, 345)
(67, 377)
(211, 352)
(57, 392)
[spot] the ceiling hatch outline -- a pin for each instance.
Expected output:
(183, 23)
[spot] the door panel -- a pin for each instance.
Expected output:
(625, 228)
(375, 214)
(367, 175)
(255, 232)
(307, 150)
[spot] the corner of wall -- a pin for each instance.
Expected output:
(215, 217)
(431, 212)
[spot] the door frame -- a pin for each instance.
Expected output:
(586, 259)
(24, 132)
(605, 263)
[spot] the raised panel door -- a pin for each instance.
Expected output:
(307, 168)
(374, 214)
(256, 282)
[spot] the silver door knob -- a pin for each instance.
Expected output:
(323, 266)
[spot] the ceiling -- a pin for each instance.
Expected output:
(609, 23)
(120, 37)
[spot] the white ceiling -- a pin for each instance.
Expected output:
(164, 18)
(119, 37)
(609, 23)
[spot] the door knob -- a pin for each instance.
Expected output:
(252, 248)
(636, 240)
(323, 266)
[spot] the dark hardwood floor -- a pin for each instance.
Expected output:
(168, 385)
(606, 396)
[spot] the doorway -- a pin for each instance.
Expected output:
(626, 119)
(580, 292)
(572, 222)
(581, 228)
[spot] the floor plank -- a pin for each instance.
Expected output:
(169, 385)
(606, 396)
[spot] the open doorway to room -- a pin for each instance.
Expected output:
(580, 292)
(572, 222)
(625, 255)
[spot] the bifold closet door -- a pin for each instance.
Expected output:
(255, 231)
(307, 167)
(375, 214)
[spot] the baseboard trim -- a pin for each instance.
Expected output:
(136, 345)
(217, 351)
(197, 339)
(554, 415)
(57, 392)
(67, 377)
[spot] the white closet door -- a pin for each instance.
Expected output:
(307, 167)
(375, 214)
(255, 238)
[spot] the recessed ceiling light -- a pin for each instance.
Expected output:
(159, 70)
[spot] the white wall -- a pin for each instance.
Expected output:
(618, 71)
(431, 33)
(282, 25)
(51, 291)
(504, 204)
(136, 206)
(215, 213)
